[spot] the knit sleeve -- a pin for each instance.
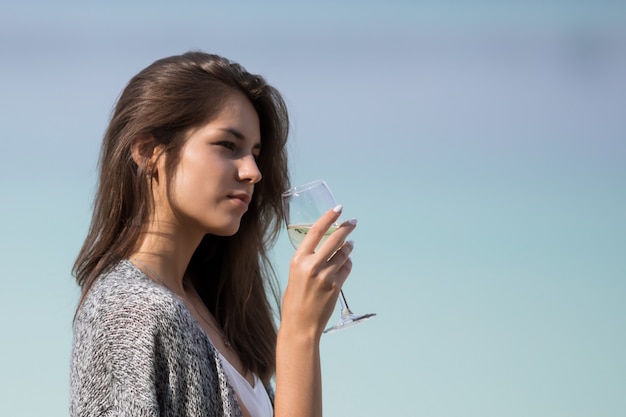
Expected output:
(113, 372)
(138, 352)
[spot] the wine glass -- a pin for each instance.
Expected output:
(303, 205)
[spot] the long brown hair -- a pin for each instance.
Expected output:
(232, 274)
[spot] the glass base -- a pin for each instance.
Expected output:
(349, 320)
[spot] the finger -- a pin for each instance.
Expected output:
(341, 254)
(319, 229)
(343, 272)
(336, 239)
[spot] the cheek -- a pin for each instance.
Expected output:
(198, 181)
(191, 170)
(185, 183)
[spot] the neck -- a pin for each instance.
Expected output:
(167, 251)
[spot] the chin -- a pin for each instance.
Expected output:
(227, 225)
(226, 230)
(226, 233)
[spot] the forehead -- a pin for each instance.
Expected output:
(238, 113)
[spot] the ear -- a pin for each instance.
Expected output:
(142, 150)
(145, 152)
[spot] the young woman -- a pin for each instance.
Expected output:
(174, 318)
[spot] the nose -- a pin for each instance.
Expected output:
(249, 170)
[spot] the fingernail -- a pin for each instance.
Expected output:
(352, 222)
(350, 243)
(338, 208)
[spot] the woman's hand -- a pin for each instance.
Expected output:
(315, 280)
(317, 275)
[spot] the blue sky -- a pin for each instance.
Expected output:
(482, 146)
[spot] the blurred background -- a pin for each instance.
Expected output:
(481, 145)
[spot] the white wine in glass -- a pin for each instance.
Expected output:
(303, 205)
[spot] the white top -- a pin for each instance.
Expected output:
(254, 398)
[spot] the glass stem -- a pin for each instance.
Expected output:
(345, 310)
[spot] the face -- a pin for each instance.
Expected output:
(212, 185)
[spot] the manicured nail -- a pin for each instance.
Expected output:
(350, 243)
(338, 208)
(352, 222)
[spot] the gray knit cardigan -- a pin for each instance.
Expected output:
(138, 351)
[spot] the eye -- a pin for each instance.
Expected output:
(228, 145)
(256, 151)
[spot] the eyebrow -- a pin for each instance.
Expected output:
(236, 133)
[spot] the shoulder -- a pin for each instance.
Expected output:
(125, 296)
(126, 282)
(125, 285)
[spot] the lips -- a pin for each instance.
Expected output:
(243, 197)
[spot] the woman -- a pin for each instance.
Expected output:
(174, 317)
